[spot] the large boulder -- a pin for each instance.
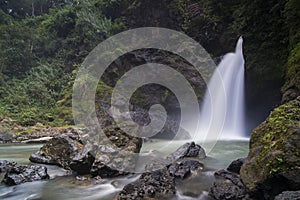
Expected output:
(69, 152)
(12, 173)
(273, 163)
(188, 150)
(58, 151)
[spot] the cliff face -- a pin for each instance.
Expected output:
(271, 35)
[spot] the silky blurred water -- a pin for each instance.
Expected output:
(223, 108)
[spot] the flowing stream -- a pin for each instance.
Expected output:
(64, 186)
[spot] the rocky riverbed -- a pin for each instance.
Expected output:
(269, 171)
(190, 176)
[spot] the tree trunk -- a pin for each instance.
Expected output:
(32, 9)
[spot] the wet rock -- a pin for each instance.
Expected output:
(288, 195)
(106, 166)
(235, 166)
(151, 185)
(4, 167)
(159, 181)
(116, 158)
(273, 163)
(185, 167)
(58, 151)
(188, 150)
(228, 186)
(69, 152)
(12, 173)
(181, 163)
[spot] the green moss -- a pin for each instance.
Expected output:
(276, 132)
(103, 96)
(28, 131)
(293, 69)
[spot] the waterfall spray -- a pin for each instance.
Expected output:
(231, 69)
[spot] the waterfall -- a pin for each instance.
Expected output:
(229, 79)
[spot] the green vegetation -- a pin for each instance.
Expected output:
(44, 42)
(41, 50)
(278, 138)
(292, 12)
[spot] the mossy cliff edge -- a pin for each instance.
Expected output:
(273, 163)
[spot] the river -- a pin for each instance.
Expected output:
(64, 186)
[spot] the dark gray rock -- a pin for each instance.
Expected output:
(110, 162)
(288, 195)
(159, 183)
(58, 151)
(82, 162)
(185, 167)
(4, 168)
(235, 166)
(228, 186)
(116, 158)
(183, 162)
(151, 185)
(14, 174)
(188, 150)
(69, 152)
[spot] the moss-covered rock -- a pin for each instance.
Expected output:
(58, 151)
(273, 163)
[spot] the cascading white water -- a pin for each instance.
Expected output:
(229, 77)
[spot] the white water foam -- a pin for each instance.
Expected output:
(231, 70)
